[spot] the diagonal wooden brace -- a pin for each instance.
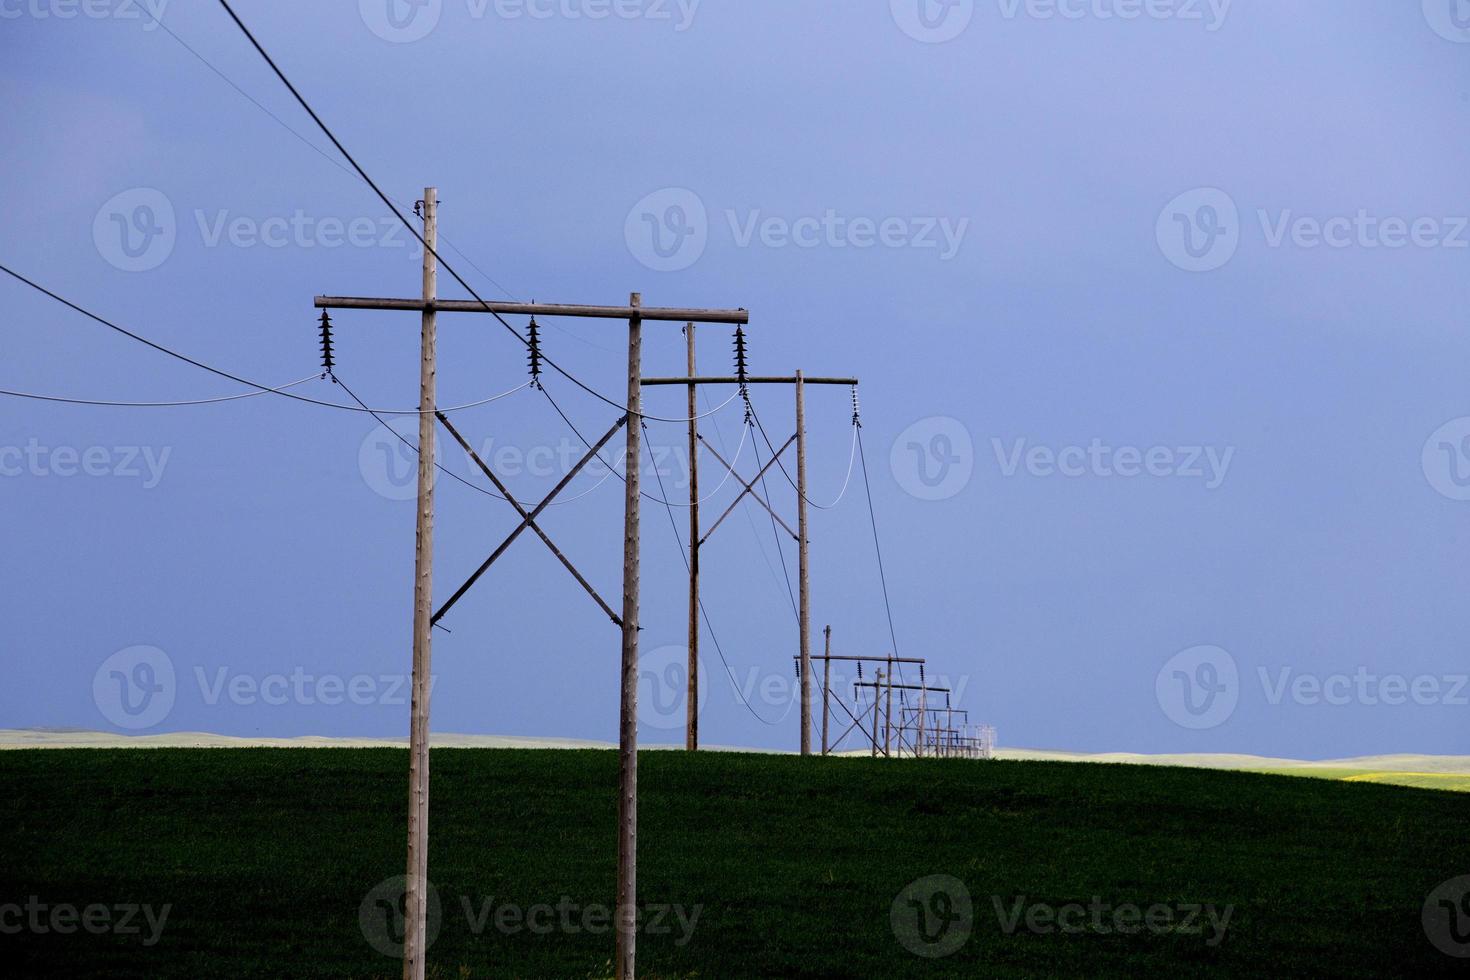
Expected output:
(856, 723)
(750, 489)
(528, 518)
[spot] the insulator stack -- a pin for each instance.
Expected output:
(857, 412)
(534, 358)
(742, 372)
(329, 362)
(860, 670)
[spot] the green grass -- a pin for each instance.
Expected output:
(1454, 782)
(266, 855)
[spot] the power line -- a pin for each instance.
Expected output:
(755, 534)
(443, 469)
(785, 572)
(704, 614)
(852, 456)
(177, 404)
(333, 160)
(612, 469)
(259, 388)
(338, 164)
(878, 548)
(414, 231)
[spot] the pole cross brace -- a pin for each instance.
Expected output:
(528, 518)
(856, 723)
(749, 488)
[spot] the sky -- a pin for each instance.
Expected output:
(1157, 306)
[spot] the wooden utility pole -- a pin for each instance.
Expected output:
(415, 947)
(888, 715)
(691, 733)
(826, 683)
(799, 382)
(805, 580)
(628, 736)
(923, 699)
(878, 684)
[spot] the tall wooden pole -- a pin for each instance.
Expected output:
(416, 883)
(691, 734)
(888, 716)
(876, 688)
(826, 684)
(806, 601)
(628, 731)
(923, 703)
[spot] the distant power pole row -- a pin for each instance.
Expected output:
(744, 380)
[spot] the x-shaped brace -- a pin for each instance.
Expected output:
(856, 723)
(749, 488)
(528, 519)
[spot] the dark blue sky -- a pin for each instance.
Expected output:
(1159, 310)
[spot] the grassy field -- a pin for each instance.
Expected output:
(1454, 782)
(781, 866)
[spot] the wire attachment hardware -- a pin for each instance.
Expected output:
(534, 359)
(329, 362)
